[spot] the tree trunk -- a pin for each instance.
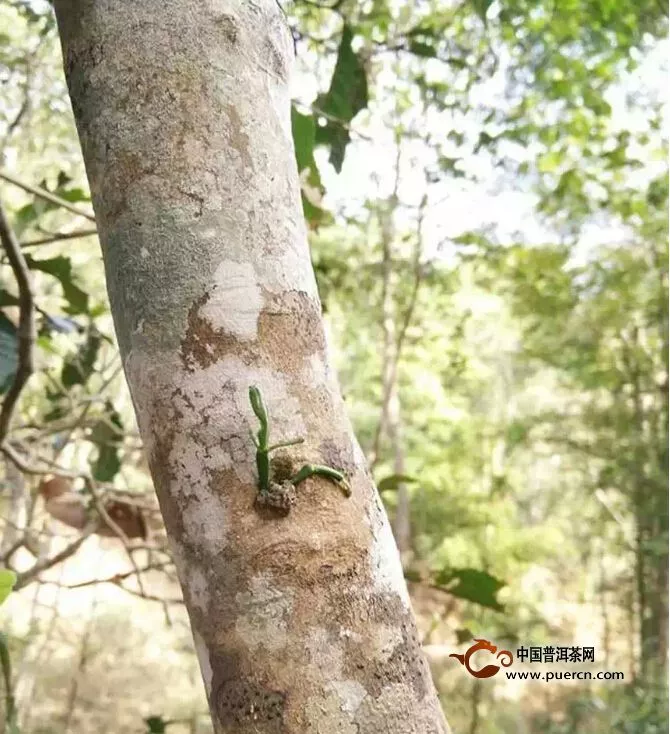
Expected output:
(402, 527)
(390, 421)
(302, 623)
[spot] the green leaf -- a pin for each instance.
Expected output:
(7, 299)
(108, 463)
(304, 133)
(425, 50)
(80, 366)
(60, 267)
(9, 346)
(74, 195)
(481, 7)
(472, 585)
(28, 215)
(463, 635)
(393, 481)
(347, 96)
(7, 581)
(107, 435)
(304, 137)
(156, 725)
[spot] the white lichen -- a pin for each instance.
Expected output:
(324, 653)
(386, 568)
(235, 300)
(350, 692)
(206, 518)
(325, 715)
(386, 639)
(198, 587)
(263, 614)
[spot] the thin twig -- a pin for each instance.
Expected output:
(19, 543)
(24, 107)
(337, 120)
(418, 277)
(47, 466)
(117, 577)
(335, 6)
(26, 329)
(46, 195)
(57, 237)
(83, 660)
(151, 597)
(27, 577)
(115, 527)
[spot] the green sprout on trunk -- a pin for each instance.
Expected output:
(271, 492)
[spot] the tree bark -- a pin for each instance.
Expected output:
(301, 623)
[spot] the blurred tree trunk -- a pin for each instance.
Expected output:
(15, 507)
(390, 420)
(301, 623)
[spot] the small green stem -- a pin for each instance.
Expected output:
(310, 470)
(258, 407)
(263, 467)
(263, 452)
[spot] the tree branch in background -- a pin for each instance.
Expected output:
(117, 578)
(58, 236)
(47, 467)
(392, 362)
(26, 328)
(28, 62)
(102, 511)
(6, 665)
(27, 577)
(47, 196)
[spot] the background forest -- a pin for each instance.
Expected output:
(485, 186)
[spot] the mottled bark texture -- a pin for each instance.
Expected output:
(302, 623)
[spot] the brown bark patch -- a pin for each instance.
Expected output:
(289, 329)
(127, 168)
(239, 700)
(271, 543)
(203, 345)
(230, 26)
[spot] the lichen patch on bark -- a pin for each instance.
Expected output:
(235, 300)
(263, 614)
(238, 318)
(350, 692)
(326, 715)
